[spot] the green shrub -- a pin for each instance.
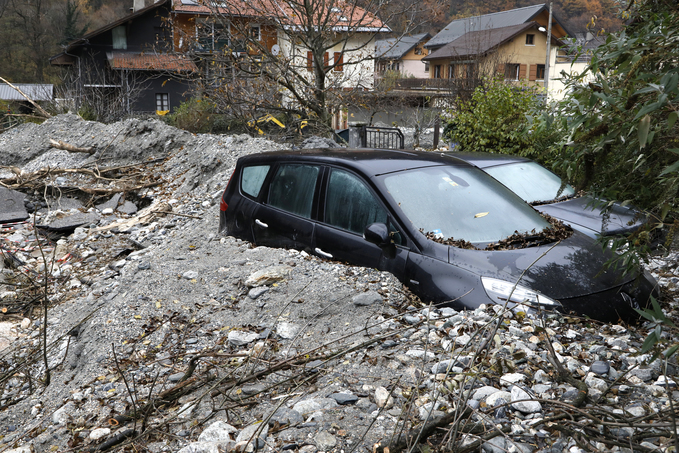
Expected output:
(196, 115)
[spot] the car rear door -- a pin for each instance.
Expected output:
(347, 206)
(283, 219)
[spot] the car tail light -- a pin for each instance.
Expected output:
(222, 205)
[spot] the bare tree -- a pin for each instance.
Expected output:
(101, 94)
(301, 57)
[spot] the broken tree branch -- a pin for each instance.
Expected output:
(58, 144)
(38, 108)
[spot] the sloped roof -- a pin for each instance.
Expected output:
(480, 42)
(501, 19)
(396, 48)
(35, 91)
(150, 62)
(340, 15)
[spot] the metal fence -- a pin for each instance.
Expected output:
(382, 137)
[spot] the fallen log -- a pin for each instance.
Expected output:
(58, 144)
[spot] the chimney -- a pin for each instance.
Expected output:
(138, 4)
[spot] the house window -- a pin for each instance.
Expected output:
(437, 71)
(451, 71)
(120, 37)
(426, 66)
(540, 73)
(162, 102)
(256, 32)
(512, 71)
(338, 62)
(530, 40)
(418, 50)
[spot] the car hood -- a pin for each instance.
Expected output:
(573, 267)
(586, 212)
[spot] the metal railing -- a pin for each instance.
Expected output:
(382, 137)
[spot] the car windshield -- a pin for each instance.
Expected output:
(531, 181)
(461, 203)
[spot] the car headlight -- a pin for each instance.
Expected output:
(500, 291)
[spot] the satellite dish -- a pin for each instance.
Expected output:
(275, 49)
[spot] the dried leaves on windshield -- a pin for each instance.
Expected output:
(556, 232)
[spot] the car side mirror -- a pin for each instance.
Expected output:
(378, 234)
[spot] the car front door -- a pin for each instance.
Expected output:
(349, 205)
(284, 217)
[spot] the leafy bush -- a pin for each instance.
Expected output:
(620, 118)
(495, 120)
(196, 115)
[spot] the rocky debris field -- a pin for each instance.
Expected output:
(162, 336)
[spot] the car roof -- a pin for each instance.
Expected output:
(371, 162)
(485, 160)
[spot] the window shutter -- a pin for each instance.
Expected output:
(522, 71)
(309, 61)
(326, 59)
(339, 59)
(533, 73)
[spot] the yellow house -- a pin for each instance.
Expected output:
(517, 51)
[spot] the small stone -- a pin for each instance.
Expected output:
(664, 381)
(259, 429)
(367, 298)
(107, 211)
(595, 383)
(645, 374)
(144, 266)
(241, 337)
(218, 431)
(285, 416)
(175, 377)
(253, 389)
(325, 441)
(492, 399)
(541, 377)
(410, 319)
(99, 433)
(512, 378)
(287, 330)
(382, 398)
(518, 403)
(62, 415)
(481, 393)
(190, 275)
(257, 291)
(344, 398)
(268, 276)
(314, 405)
(25, 323)
(600, 367)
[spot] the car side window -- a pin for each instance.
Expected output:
(350, 205)
(292, 188)
(253, 178)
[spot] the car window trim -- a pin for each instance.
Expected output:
(264, 193)
(390, 216)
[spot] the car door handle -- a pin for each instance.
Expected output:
(260, 223)
(322, 253)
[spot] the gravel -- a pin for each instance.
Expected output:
(145, 302)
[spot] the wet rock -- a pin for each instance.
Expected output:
(344, 398)
(268, 276)
(367, 298)
(600, 367)
(217, 432)
(527, 407)
(325, 441)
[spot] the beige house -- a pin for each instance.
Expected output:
(403, 55)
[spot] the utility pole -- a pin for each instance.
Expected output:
(549, 48)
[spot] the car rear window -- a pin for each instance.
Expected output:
(253, 178)
(292, 188)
